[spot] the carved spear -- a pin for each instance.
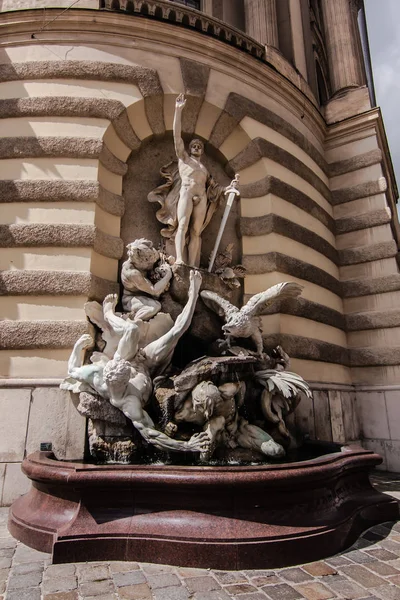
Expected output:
(232, 192)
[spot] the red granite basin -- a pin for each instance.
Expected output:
(231, 517)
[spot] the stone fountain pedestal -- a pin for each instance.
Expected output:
(228, 518)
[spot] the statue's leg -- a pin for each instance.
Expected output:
(75, 360)
(183, 213)
(159, 352)
(128, 344)
(257, 339)
(196, 225)
(251, 436)
(116, 323)
(141, 307)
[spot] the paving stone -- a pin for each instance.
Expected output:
(59, 584)
(391, 546)
(5, 562)
(25, 568)
(128, 578)
(316, 591)
(347, 589)
(338, 561)
(135, 592)
(101, 597)
(96, 588)
(240, 588)
(282, 592)
(93, 573)
(59, 570)
(226, 577)
(201, 584)
(6, 552)
(62, 596)
(25, 581)
(4, 574)
(171, 593)
(162, 580)
(23, 554)
(24, 594)
(8, 543)
(361, 543)
(148, 568)
(2, 587)
(319, 569)
(260, 581)
(373, 536)
(261, 573)
(295, 575)
(383, 568)
(359, 557)
(190, 572)
(363, 576)
(219, 595)
(382, 554)
(387, 592)
(119, 567)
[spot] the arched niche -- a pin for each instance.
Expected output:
(143, 175)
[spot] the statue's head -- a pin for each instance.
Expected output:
(117, 372)
(142, 254)
(196, 147)
(204, 397)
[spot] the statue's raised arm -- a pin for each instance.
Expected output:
(177, 128)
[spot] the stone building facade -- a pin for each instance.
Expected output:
(278, 91)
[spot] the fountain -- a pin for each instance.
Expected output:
(191, 456)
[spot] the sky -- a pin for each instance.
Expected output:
(383, 23)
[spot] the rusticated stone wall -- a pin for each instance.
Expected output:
(317, 205)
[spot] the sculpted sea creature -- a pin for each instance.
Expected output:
(245, 322)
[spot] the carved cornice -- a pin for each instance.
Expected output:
(163, 10)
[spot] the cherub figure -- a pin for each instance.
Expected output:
(139, 296)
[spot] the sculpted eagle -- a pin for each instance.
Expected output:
(245, 322)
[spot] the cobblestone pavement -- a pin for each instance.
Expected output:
(370, 570)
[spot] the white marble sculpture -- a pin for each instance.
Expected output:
(190, 196)
(126, 380)
(245, 322)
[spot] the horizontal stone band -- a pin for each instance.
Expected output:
(53, 190)
(254, 226)
(65, 147)
(308, 348)
(363, 254)
(55, 283)
(259, 148)
(237, 107)
(356, 162)
(23, 335)
(301, 307)
(273, 185)
(275, 261)
(365, 287)
(362, 190)
(373, 320)
(366, 220)
(64, 236)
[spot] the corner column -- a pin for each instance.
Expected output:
(341, 45)
(261, 21)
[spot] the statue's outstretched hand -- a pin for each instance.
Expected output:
(199, 442)
(180, 102)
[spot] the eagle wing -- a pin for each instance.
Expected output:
(259, 302)
(219, 305)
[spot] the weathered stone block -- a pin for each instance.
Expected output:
(15, 484)
(54, 418)
(374, 421)
(14, 410)
(393, 412)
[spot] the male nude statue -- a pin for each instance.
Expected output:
(192, 204)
